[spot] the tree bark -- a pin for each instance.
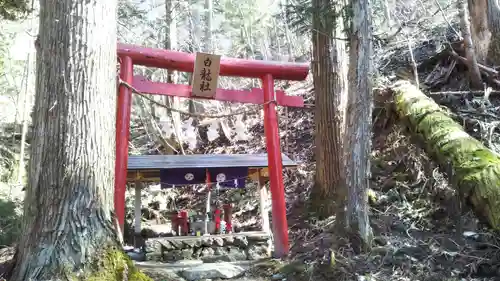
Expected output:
(171, 44)
(195, 31)
(474, 74)
(476, 168)
(485, 30)
(387, 14)
(330, 85)
(359, 121)
(208, 25)
(26, 107)
(68, 225)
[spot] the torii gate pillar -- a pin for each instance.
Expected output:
(131, 55)
(271, 130)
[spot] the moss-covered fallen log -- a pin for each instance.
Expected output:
(476, 168)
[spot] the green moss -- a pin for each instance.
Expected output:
(113, 265)
(477, 169)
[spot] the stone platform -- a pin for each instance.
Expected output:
(214, 248)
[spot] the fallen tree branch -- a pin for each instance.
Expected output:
(477, 168)
(490, 73)
(481, 67)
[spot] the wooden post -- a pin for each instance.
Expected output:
(209, 193)
(207, 212)
(264, 211)
(138, 208)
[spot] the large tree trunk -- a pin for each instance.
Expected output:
(480, 33)
(476, 168)
(474, 74)
(330, 86)
(69, 231)
(485, 30)
(359, 121)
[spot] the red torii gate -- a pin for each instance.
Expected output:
(131, 55)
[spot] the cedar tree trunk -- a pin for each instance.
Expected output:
(474, 74)
(330, 87)
(69, 229)
(485, 30)
(359, 121)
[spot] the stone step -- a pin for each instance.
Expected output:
(192, 270)
(209, 249)
(183, 264)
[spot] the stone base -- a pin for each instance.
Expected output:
(214, 248)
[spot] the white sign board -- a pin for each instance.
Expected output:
(205, 75)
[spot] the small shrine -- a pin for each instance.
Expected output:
(208, 167)
(208, 233)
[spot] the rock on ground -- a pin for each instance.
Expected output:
(212, 271)
(160, 274)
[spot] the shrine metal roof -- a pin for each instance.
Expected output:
(152, 162)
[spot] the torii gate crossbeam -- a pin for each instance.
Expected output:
(131, 55)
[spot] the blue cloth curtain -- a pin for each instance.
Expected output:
(233, 177)
(182, 176)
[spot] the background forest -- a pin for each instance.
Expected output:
(429, 211)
